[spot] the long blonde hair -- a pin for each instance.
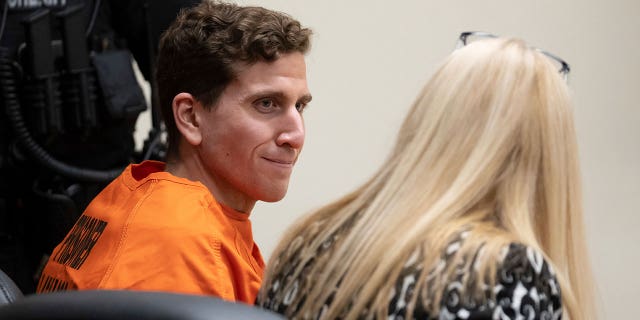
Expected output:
(488, 145)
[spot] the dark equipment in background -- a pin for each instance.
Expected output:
(69, 103)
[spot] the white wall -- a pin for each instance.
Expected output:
(370, 57)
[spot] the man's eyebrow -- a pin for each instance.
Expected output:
(306, 98)
(278, 95)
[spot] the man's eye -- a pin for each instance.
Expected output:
(300, 106)
(265, 105)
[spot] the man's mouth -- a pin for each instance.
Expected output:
(285, 163)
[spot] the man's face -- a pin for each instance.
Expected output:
(253, 136)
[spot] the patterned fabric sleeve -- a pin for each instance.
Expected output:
(526, 288)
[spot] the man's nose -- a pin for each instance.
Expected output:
(292, 129)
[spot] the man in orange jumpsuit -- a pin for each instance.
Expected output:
(232, 88)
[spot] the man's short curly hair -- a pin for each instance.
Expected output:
(198, 52)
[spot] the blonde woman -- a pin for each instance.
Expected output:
(477, 213)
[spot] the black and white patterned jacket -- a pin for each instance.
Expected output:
(526, 289)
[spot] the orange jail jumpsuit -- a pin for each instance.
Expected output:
(150, 230)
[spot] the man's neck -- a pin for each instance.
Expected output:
(220, 189)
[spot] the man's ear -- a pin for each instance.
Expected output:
(184, 113)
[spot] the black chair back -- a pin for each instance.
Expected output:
(115, 304)
(9, 291)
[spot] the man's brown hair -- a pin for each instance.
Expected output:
(198, 52)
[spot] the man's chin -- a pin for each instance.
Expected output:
(273, 196)
(272, 199)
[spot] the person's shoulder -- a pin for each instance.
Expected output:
(173, 204)
(526, 285)
(179, 191)
(527, 266)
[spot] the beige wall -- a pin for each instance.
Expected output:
(370, 57)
